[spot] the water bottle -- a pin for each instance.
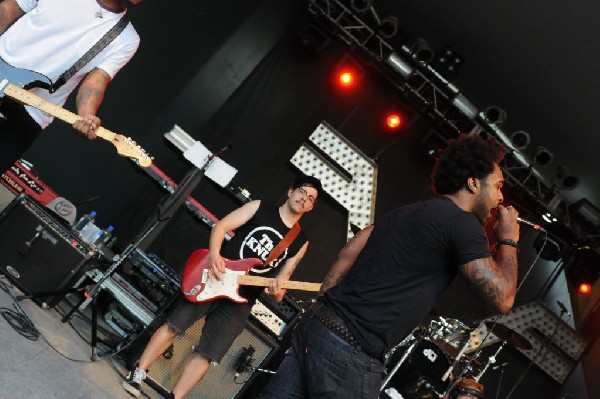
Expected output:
(90, 233)
(104, 236)
(84, 220)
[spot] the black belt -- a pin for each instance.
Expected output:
(335, 326)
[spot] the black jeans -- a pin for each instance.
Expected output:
(18, 131)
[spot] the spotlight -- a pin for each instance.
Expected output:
(388, 27)
(394, 121)
(347, 72)
(361, 6)
(495, 115)
(583, 269)
(568, 180)
(542, 156)
(421, 51)
(520, 139)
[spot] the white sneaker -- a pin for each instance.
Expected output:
(133, 382)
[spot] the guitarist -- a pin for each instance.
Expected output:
(49, 37)
(258, 229)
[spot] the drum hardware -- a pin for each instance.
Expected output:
(491, 360)
(412, 337)
(456, 360)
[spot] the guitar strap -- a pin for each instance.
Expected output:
(91, 53)
(284, 243)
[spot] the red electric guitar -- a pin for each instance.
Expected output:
(198, 285)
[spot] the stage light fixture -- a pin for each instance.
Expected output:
(567, 179)
(520, 139)
(399, 65)
(388, 28)
(421, 51)
(542, 156)
(394, 121)
(584, 288)
(495, 115)
(583, 269)
(361, 6)
(347, 72)
(448, 61)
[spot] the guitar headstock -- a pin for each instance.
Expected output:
(126, 147)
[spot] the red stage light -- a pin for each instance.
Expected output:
(346, 78)
(584, 288)
(393, 121)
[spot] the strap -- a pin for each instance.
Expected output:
(91, 53)
(284, 243)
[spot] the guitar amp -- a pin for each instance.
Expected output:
(277, 319)
(39, 251)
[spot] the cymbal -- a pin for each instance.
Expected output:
(510, 336)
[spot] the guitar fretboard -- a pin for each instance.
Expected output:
(264, 282)
(32, 100)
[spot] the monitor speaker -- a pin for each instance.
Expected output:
(220, 381)
(38, 253)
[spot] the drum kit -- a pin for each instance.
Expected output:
(429, 362)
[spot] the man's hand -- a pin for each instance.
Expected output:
(274, 289)
(506, 226)
(216, 264)
(87, 126)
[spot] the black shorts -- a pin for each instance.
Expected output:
(224, 321)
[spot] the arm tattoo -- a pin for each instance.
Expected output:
(494, 281)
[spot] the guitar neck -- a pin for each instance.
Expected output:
(28, 98)
(258, 281)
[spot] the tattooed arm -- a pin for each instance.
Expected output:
(494, 281)
(89, 97)
(346, 259)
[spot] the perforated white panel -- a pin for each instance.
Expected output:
(346, 173)
(536, 323)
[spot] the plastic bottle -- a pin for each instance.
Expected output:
(90, 233)
(84, 220)
(104, 236)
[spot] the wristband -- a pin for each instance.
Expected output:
(508, 242)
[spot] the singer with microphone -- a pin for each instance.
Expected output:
(259, 227)
(387, 278)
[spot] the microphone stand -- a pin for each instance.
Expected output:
(163, 213)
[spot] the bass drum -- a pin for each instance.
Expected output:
(421, 374)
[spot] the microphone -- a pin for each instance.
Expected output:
(527, 222)
(244, 360)
(563, 308)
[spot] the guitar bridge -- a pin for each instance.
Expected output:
(204, 276)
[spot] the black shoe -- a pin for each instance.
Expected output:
(133, 382)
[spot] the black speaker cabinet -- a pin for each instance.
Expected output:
(37, 252)
(219, 382)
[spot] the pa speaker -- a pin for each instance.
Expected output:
(37, 252)
(220, 381)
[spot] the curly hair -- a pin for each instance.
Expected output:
(467, 156)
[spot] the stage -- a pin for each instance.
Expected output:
(57, 364)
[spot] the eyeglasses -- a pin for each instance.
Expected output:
(304, 194)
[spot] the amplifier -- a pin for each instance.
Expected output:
(276, 318)
(38, 251)
(157, 271)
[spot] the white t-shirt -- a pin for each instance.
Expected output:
(54, 34)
